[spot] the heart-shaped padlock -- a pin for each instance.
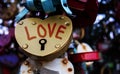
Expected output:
(44, 39)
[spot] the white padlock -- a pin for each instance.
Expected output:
(56, 66)
(84, 47)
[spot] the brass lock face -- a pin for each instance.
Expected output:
(45, 39)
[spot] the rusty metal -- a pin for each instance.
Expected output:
(70, 69)
(52, 67)
(65, 61)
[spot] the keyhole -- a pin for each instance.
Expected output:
(42, 43)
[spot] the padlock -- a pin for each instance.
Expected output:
(56, 66)
(44, 39)
(84, 53)
(85, 12)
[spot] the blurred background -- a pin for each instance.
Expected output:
(103, 36)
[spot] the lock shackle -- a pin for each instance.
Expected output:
(46, 6)
(40, 5)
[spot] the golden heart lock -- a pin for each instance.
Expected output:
(44, 39)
